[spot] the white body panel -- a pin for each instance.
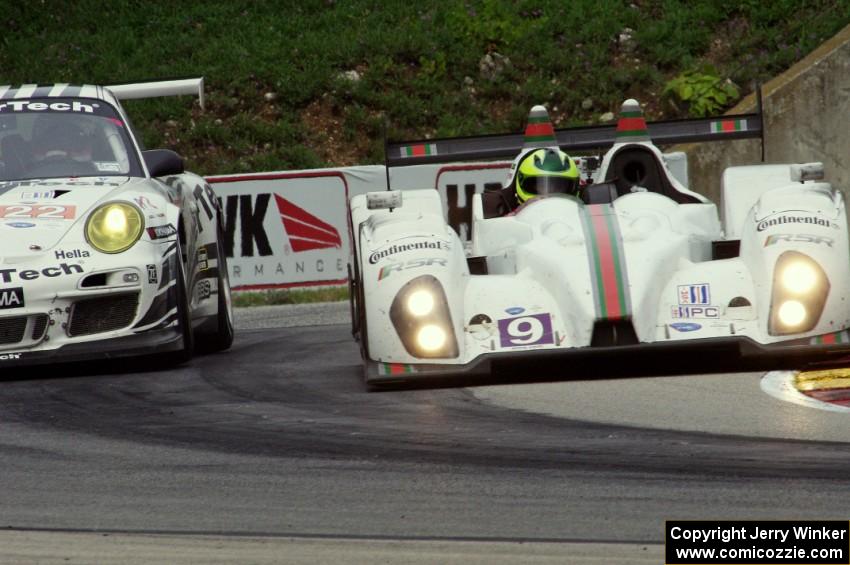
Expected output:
(50, 273)
(546, 267)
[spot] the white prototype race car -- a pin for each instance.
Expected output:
(108, 250)
(634, 275)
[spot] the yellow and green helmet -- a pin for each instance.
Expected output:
(545, 171)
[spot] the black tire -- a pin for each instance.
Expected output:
(356, 300)
(222, 337)
(184, 316)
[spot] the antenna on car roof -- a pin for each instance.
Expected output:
(386, 152)
(761, 117)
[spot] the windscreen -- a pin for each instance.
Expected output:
(57, 137)
(549, 185)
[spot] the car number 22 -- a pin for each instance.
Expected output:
(40, 211)
(533, 329)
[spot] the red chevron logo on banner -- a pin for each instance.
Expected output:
(305, 231)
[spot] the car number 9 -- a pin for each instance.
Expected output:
(525, 330)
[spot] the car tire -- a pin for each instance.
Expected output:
(221, 337)
(184, 316)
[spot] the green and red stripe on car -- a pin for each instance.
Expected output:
(607, 262)
(394, 369)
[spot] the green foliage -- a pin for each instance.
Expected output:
(488, 23)
(418, 63)
(434, 67)
(274, 297)
(703, 91)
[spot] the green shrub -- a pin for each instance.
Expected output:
(702, 91)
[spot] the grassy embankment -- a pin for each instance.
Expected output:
(281, 86)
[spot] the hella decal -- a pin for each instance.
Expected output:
(685, 326)
(20, 225)
(515, 310)
(71, 254)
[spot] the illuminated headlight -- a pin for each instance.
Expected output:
(791, 313)
(798, 277)
(800, 289)
(431, 337)
(420, 315)
(114, 227)
(420, 302)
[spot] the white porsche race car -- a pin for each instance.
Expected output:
(633, 275)
(108, 250)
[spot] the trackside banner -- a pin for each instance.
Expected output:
(290, 228)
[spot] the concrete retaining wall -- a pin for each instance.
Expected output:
(807, 118)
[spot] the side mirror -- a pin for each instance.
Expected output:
(807, 171)
(163, 162)
(383, 199)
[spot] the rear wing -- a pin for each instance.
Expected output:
(135, 90)
(500, 146)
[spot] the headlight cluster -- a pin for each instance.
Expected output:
(800, 288)
(420, 314)
(114, 227)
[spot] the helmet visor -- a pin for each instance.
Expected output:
(548, 185)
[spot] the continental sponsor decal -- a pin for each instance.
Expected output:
(402, 247)
(785, 219)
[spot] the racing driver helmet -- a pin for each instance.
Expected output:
(545, 171)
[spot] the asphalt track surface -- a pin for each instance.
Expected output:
(275, 452)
